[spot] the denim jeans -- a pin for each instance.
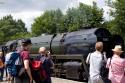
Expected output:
(1, 73)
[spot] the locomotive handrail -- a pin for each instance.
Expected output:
(68, 56)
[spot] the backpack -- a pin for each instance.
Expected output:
(38, 72)
(14, 64)
(103, 70)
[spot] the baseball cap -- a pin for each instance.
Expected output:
(26, 41)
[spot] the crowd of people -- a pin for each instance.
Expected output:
(19, 65)
(115, 65)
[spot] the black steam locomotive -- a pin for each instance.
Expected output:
(69, 50)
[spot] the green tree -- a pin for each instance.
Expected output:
(21, 35)
(1, 37)
(9, 27)
(49, 22)
(54, 21)
(119, 21)
(118, 14)
(97, 16)
(83, 16)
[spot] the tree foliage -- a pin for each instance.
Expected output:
(55, 21)
(84, 16)
(118, 13)
(119, 21)
(49, 22)
(10, 27)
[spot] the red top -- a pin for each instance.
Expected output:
(25, 55)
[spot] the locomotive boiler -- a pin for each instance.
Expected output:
(69, 50)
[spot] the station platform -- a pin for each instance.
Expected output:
(58, 80)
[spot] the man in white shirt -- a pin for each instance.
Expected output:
(94, 59)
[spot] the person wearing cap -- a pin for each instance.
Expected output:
(26, 77)
(116, 66)
(95, 59)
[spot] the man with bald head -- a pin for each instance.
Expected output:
(44, 56)
(42, 50)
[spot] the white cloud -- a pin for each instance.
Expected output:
(37, 5)
(27, 10)
(106, 9)
(26, 16)
(89, 2)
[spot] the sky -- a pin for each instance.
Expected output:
(28, 10)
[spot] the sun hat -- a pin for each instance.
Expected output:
(118, 48)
